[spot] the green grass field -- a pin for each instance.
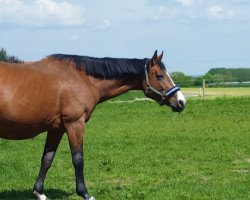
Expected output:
(219, 92)
(143, 151)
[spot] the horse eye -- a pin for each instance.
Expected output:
(159, 77)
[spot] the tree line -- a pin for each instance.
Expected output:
(215, 77)
(225, 74)
(4, 56)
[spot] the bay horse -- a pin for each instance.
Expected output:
(59, 93)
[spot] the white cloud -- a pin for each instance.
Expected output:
(40, 13)
(189, 3)
(195, 10)
(218, 12)
(161, 10)
(104, 24)
(186, 2)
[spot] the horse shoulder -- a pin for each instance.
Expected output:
(78, 98)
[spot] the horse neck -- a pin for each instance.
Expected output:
(109, 88)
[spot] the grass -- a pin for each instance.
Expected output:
(219, 92)
(210, 93)
(143, 151)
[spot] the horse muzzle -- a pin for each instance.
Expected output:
(179, 107)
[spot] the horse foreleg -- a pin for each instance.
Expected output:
(52, 141)
(75, 136)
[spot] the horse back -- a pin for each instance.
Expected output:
(25, 92)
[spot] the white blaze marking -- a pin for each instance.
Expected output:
(180, 96)
(170, 78)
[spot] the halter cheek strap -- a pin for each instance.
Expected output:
(164, 95)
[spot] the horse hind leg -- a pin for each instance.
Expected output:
(52, 141)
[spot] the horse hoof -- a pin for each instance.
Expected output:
(40, 196)
(92, 198)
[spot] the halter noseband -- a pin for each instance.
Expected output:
(164, 95)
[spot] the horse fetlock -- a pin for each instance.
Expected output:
(40, 196)
(89, 198)
(84, 194)
(38, 187)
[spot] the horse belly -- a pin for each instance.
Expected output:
(15, 127)
(27, 123)
(15, 131)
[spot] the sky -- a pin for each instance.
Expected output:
(195, 35)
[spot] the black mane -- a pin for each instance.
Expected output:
(107, 68)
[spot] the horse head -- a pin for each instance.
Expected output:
(159, 86)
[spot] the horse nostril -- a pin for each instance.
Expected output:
(181, 104)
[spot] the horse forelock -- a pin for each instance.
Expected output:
(159, 63)
(105, 68)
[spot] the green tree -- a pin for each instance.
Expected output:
(209, 78)
(3, 55)
(7, 58)
(221, 78)
(181, 79)
(230, 74)
(198, 81)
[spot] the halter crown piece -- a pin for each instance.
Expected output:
(164, 95)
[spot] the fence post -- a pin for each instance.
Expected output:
(203, 89)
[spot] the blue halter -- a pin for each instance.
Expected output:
(172, 91)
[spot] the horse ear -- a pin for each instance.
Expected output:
(159, 58)
(153, 59)
(154, 56)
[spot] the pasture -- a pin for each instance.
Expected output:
(219, 92)
(140, 150)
